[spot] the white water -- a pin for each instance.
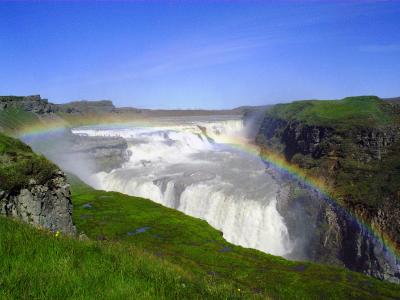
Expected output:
(184, 164)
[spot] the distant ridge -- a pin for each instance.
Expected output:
(39, 105)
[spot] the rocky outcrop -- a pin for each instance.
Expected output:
(107, 153)
(38, 105)
(33, 104)
(82, 154)
(326, 232)
(374, 143)
(359, 165)
(46, 205)
(305, 140)
(317, 141)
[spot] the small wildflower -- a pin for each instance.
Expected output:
(238, 290)
(57, 233)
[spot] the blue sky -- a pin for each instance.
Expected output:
(199, 54)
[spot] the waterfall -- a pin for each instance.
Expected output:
(187, 166)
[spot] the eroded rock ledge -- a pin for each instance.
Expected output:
(32, 188)
(46, 205)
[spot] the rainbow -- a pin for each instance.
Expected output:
(274, 161)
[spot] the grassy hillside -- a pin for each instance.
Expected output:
(360, 111)
(39, 265)
(18, 165)
(177, 257)
(13, 119)
(354, 174)
(202, 252)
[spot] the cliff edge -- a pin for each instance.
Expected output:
(33, 189)
(351, 146)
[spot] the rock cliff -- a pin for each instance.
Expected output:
(33, 189)
(107, 153)
(80, 154)
(33, 104)
(47, 205)
(359, 164)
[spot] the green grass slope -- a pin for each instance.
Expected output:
(18, 165)
(38, 265)
(13, 119)
(351, 111)
(201, 251)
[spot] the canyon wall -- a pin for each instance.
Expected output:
(361, 166)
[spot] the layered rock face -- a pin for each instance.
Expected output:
(107, 153)
(32, 188)
(38, 105)
(47, 205)
(82, 154)
(375, 143)
(33, 104)
(361, 165)
(325, 232)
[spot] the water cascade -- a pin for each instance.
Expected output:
(187, 165)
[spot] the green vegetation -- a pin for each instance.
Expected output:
(370, 182)
(178, 257)
(18, 165)
(12, 119)
(38, 265)
(201, 251)
(351, 172)
(139, 249)
(351, 111)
